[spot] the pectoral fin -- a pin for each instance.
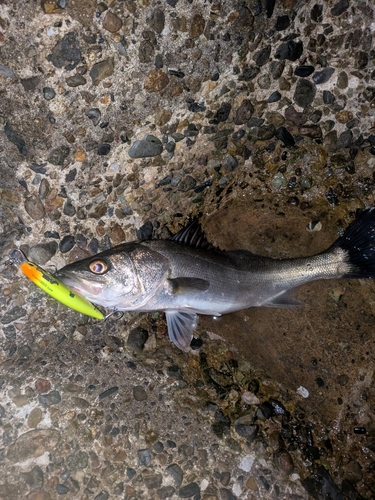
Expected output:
(181, 326)
(183, 285)
(285, 299)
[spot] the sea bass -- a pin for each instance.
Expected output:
(185, 276)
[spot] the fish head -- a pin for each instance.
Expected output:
(108, 279)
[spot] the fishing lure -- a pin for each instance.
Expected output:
(53, 287)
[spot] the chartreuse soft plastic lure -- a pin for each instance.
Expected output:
(53, 287)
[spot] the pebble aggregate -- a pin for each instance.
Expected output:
(119, 121)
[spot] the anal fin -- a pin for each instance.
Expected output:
(181, 326)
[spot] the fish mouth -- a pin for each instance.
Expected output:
(80, 285)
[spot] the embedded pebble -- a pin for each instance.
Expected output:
(94, 115)
(102, 70)
(189, 490)
(304, 93)
(48, 93)
(66, 244)
(304, 71)
(34, 207)
(13, 314)
(147, 147)
(32, 444)
(139, 393)
(52, 398)
(175, 471)
(323, 76)
(111, 22)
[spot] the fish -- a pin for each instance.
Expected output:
(185, 275)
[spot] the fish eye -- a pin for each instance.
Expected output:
(98, 266)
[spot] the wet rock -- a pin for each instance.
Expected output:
(139, 393)
(328, 97)
(284, 461)
(342, 80)
(78, 460)
(32, 444)
(304, 93)
(7, 72)
(189, 490)
(226, 494)
(285, 137)
(352, 471)
(156, 81)
(104, 149)
(94, 115)
(137, 338)
(165, 492)
(147, 147)
(52, 398)
(69, 209)
(48, 93)
(345, 139)
(34, 478)
(24, 351)
(322, 486)
(290, 50)
(323, 76)
(108, 392)
(304, 71)
(340, 7)
(176, 473)
(282, 23)
(66, 244)
(249, 73)
(15, 138)
(62, 489)
(59, 155)
(111, 22)
(278, 180)
(75, 81)
(274, 97)
(244, 112)
(222, 114)
(144, 457)
(34, 207)
(42, 385)
(174, 371)
(145, 231)
(66, 53)
(246, 429)
(102, 70)
(266, 132)
(330, 141)
(262, 56)
(312, 131)
(246, 463)
(276, 69)
(157, 20)
(197, 26)
(30, 84)
(42, 252)
(187, 184)
(13, 314)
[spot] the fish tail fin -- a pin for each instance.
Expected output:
(358, 241)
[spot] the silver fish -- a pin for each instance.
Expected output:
(185, 276)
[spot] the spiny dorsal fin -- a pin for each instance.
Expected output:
(192, 235)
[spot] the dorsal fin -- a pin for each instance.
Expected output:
(192, 235)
